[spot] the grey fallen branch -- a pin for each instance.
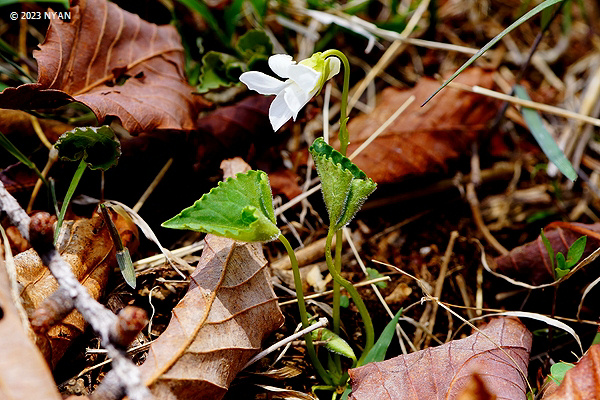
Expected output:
(39, 232)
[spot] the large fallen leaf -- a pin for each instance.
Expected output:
(443, 372)
(421, 140)
(582, 382)
(88, 58)
(89, 250)
(530, 262)
(217, 327)
(24, 374)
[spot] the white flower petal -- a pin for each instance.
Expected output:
(306, 77)
(334, 67)
(280, 63)
(262, 83)
(296, 98)
(279, 112)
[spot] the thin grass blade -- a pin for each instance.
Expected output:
(543, 137)
(495, 40)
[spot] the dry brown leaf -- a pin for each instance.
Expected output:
(87, 58)
(443, 372)
(421, 140)
(24, 374)
(90, 252)
(217, 327)
(582, 382)
(531, 263)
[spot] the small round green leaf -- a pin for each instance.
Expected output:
(345, 187)
(97, 146)
(239, 208)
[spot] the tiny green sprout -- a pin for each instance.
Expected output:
(345, 187)
(96, 148)
(564, 265)
(344, 301)
(372, 273)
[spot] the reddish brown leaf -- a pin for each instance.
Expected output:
(232, 129)
(23, 373)
(87, 58)
(582, 382)
(443, 372)
(18, 178)
(530, 263)
(285, 181)
(90, 252)
(421, 140)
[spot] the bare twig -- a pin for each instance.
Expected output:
(39, 233)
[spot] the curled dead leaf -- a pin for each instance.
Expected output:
(115, 63)
(443, 372)
(89, 250)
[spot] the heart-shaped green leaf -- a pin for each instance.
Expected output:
(240, 208)
(345, 187)
(98, 147)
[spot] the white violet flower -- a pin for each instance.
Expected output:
(302, 82)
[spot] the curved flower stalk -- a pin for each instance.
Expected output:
(302, 81)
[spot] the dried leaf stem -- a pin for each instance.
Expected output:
(101, 319)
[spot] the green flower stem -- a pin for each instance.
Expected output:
(74, 182)
(336, 313)
(344, 141)
(337, 264)
(303, 316)
(343, 134)
(364, 313)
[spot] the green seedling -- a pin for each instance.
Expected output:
(96, 148)
(574, 254)
(372, 273)
(344, 186)
(122, 252)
